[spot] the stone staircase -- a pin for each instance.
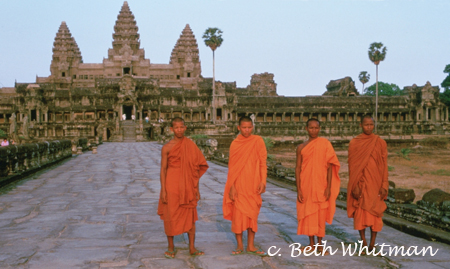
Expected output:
(129, 131)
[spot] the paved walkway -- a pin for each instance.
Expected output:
(97, 211)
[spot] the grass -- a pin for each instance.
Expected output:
(199, 136)
(435, 141)
(441, 172)
(414, 167)
(404, 153)
(391, 168)
(268, 142)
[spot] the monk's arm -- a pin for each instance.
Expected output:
(327, 192)
(298, 170)
(262, 167)
(385, 183)
(163, 173)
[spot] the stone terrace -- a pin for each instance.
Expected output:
(96, 211)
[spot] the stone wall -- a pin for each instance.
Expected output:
(19, 160)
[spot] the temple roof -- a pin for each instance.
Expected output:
(186, 48)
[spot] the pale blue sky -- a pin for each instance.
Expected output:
(304, 43)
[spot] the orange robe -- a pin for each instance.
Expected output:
(367, 167)
(312, 214)
(185, 165)
(247, 168)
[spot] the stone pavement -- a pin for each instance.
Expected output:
(99, 211)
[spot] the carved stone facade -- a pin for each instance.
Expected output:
(112, 99)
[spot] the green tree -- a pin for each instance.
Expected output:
(445, 95)
(364, 78)
(377, 53)
(384, 89)
(213, 39)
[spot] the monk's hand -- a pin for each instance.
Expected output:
(163, 196)
(382, 193)
(300, 196)
(233, 193)
(356, 192)
(327, 193)
(261, 188)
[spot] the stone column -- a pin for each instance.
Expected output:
(283, 116)
(426, 114)
(140, 114)
(265, 117)
(329, 116)
(120, 112)
(72, 118)
(95, 114)
(54, 131)
(38, 116)
(84, 115)
(192, 113)
(301, 117)
(134, 112)
(274, 117)
(338, 116)
(200, 115)
(171, 113)
(292, 116)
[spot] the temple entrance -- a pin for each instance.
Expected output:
(128, 111)
(108, 133)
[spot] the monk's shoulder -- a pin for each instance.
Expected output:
(301, 146)
(168, 146)
(381, 141)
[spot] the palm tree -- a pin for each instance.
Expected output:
(377, 53)
(213, 39)
(364, 78)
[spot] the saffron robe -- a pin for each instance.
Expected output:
(247, 168)
(367, 167)
(312, 214)
(185, 165)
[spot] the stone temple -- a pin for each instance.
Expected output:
(129, 98)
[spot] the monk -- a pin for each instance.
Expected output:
(318, 185)
(182, 165)
(247, 173)
(368, 181)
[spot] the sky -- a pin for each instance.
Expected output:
(305, 44)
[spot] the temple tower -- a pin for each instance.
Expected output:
(126, 55)
(185, 59)
(66, 56)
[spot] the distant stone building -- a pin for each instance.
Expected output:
(100, 99)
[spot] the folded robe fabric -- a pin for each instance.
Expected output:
(185, 165)
(247, 168)
(317, 156)
(367, 166)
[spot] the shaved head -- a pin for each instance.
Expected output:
(177, 119)
(245, 119)
(367, 116)
(312, 119)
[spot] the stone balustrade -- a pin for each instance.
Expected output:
(433, 209)
(80, 142)
(208, 146)
(16, 160)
